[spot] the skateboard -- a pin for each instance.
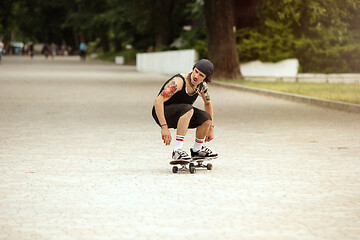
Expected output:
(190, 165)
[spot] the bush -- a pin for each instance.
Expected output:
(313, 56)
(322, 55)
(322, 35)
(270, 46)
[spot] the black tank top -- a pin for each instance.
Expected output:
(181, 96)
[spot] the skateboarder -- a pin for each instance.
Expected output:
(173, 108)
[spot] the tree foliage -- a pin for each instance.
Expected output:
(115, 23)
(322, 34)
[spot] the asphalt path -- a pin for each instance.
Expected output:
(82, 158)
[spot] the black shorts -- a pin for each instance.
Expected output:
(174, 111)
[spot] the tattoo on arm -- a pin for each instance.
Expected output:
(169, 90)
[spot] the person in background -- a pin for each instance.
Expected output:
(45, 50)
(53, 50)
(31, 49)
(83, 48)
(1, 49)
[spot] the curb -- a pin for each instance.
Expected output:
(348, 107)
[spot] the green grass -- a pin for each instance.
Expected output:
(338, 92)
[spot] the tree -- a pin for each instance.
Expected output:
(160, 19)
(245, 13)
(222, 51)
(322, 34)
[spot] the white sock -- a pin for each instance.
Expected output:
(198, 144)
(179, 142)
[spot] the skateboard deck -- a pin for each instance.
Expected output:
(185, 165)
(191, 165)
(174, 162)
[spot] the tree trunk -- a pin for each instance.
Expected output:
(163, 18)
(104, 42)
(118, 44)
(222, 50)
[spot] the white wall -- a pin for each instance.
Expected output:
(119, 60)
(172, 62)
(285, 68)
(169, 62)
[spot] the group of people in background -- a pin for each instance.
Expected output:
(63, 50)
(46, 49)
(54, 50)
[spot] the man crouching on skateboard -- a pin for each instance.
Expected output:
(173, 108)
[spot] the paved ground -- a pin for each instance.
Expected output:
(81, 158)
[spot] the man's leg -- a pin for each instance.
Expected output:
(202, 130)
(203, 121)
(182, 127)
(183, 123)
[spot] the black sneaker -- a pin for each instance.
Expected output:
(205, 152)
(180, 155)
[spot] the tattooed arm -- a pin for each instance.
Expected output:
(209, 109)
(169, 90)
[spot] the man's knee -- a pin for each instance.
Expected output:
(207, 123)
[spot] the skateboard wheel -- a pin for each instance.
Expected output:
(209, 166)
(175, 169)
(192, 168)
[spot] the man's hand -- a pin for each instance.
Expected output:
(166, 135)
(210, 134)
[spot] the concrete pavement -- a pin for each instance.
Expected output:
(81, 158)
